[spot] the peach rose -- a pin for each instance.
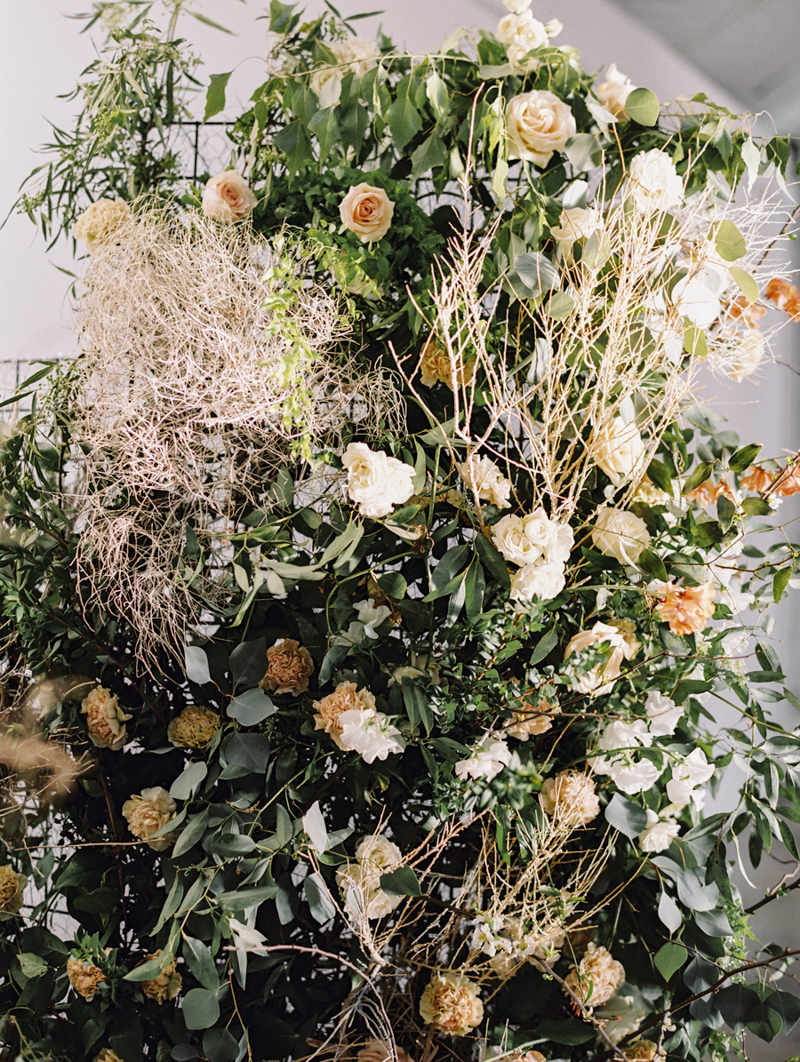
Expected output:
(290, 668)
(228, 197)
(367, 212)
(451, 1003)
(597, 977)
(538, 124)
(687, 609)
(84, 977)
(193, 728)
(532, 720)
(166, 985)
(147, 812)
(345, 698)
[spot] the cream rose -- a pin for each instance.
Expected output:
(542, 579)
(524, 540)
(450, 1002)
(521, 33)
(228, 197)
(485, 479)
(193, 728)
(356, 55)
(618, 449)
(147, 812)
(538, 124)
(621, 535)
(107, 1055)
(575, 224)
(367, 212)
(105, 720)
(375, 481)
(653, 182)
(614, 91)
(597, 978)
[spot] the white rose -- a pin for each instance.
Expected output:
(538, 124)
(524, 540)
(620, 534)
(375, 481)
(517, 6)
(511, 540)
(485, 479)
(618, 449)
(228, 197)
(653, 182)
(614, 91)
(521, 33)
(662, 712)
(488, 759)
(577, 223)
(356, 54)
(658, 834)
(543, 579)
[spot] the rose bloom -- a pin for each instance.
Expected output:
(147, 812)
(367, 212)
(658, 834)
(435, 366)
(543, 579)
(377, 1051)
(521, 33)
(485, 479)
(603, 675)
(643, 1051)
(375, 481)
(524, 540)
(12, 886)
(166, 985)
(653, 182)
(228, 197)
(570, 797)
(618, 449)
(785, 296)
(193, 728)
(597, 977)
(451, 1003)
(107, 1055)
(538, 124)
(530, 721)
(356, 55)
(687, 609)
(345, 698)
(517, 6)
(100, 221)
(575, 225)
(84, 977)
(620, 534)
(614, 91)
(105, 720)
(375, 855)
(290, 668)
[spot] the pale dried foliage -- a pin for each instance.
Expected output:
(206, 365)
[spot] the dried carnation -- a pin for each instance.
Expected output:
(193, 728)
(12, 886)
(643, 1051)
(290, 668)
(375, 855)
(436, 366)
(450, 1002)
(100, 221)
(345, 698)
(84, 977)
(597, 978)
(147, 812)
(377, 1051)
(785, 296)
(107, 1055)
(530, 720)
(168, 983)
(105, 720)
(687, 609)
(570, 797)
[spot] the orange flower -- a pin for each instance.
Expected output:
(788, 482)
(785, 296)
(687, 609)
(749, 312)
(707, 493)
(757, 479)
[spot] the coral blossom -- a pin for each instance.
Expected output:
(785, 296)
(687, 609)
(451, 1003)
(749, 312)
(290, 668)
(707, 493)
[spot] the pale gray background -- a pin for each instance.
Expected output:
(741, 52)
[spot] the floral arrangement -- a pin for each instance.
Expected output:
(379, 578)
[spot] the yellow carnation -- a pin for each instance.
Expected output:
(193, 728)
(168, 983)
(12, 886)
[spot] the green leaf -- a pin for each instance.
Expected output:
(449, 566)
(219, 1045)
(537, 273)
(403, 118)
(431, 152)
(148, 970)
(693, 893)
(215, 96)
(652, 565)
(756, 507)
(625, 816)
(242, 899)
(393, 585)
(186, 783)
(251, 707)
(249, 750)
(474, 586)
(743, 458)
(200, 1009)
(201, 962)
(787, 1005)
(733, 1002)
(565, 1030)
(657, 472)
(401, 882)
(248, 662)
(669, 958)
(559, 306)
(729, 241)
(191, 834)
(319, 899)
(747, 285)
(197, 665)
(780, 582)
(31, 965)
(493, 561)
(726, 511)
(544, 646)
(643, 106)
(326, 129)
(698, 476)
(438, 96)
(293, 141)
(694, 340)
(669, 913)
(281, 17)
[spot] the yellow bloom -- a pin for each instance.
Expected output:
(193, 728)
